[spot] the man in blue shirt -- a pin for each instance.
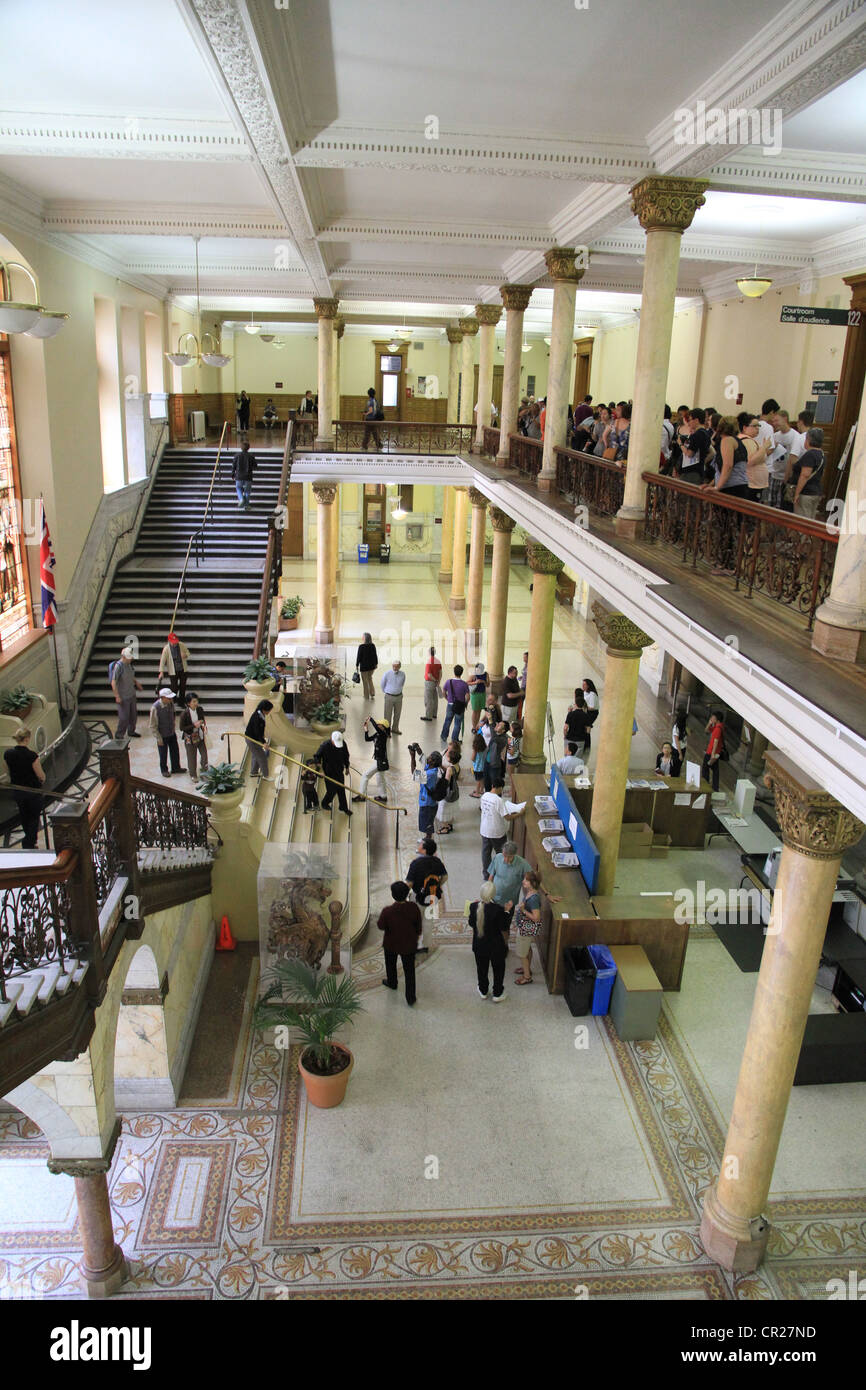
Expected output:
(506, 872)
(392, 686)
(457, 695)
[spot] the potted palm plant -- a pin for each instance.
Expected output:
(17, 701)
(289, 611)
(316, 1005)
(259, 677)
(223, 783)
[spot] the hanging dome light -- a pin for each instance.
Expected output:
(267, 337)
(252, 326)
(753, 286)
(19, 317)
(279, 343)
(181, 358)
(212, 356)
(527, 347)
(394, 346)
(399, 511)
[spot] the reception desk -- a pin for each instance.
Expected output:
(657, 807)
(581, 920)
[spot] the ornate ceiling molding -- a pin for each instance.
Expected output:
(154, 219)
(407, 149)
(454, 233)
(135, 137)
(803, 173)
(698, 247)
(219, 26)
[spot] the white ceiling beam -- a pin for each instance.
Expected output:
(58, 135)
(795, 173)
(359, 229)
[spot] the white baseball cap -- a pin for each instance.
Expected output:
(167, 692)
(127, 651)
(337, 738)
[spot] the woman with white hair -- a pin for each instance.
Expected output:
(489, 923)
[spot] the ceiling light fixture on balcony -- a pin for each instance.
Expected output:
(399, 511)
(17, 316)
(252, 326)
(753, 286)
(212, 356)
(279, 343)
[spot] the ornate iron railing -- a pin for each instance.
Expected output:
(525, 454)
(105, 844)
(306, 427)
(789, 558)
(273, 569)
(598, 484)
(402, 437)
(490, 444)
(35, 929)
(167, 820)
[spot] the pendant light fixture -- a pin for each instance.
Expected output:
(252, 326)
(753, 286)
(17, 316)
(399, 512)
(213, 356)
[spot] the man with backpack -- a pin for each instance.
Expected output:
(456, 695)
(242, 475)
(425, 877)
(432, 790)
(124, 683)
(373, 412)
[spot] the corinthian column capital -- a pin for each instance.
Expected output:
(325, 493)
(541, 560)
(454, 334)
(468, 327)
(488, 314)
(500, 521)
(668, 203)
(516, 296)
(560, 264)
(618, 632)
(476, 498)
(326, 308)
(811, 820)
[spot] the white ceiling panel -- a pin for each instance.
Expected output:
(138, 181)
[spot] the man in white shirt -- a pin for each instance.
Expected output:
(392, 688)
(570, 764)
(793, 444)
(494, 828)
(776, 453)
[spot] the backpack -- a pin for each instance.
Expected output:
(379, 415)
(435, 888)
(112, 666)
(440, 789)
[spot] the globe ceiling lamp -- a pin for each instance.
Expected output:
(212, 356)
(21, 316)
(753, 286)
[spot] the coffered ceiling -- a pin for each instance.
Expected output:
(410, 160)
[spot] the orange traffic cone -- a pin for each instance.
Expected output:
(225, 940)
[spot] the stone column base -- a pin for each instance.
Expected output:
(735, 1244)
(629, 523)
(444, 577)
(503, 460)
(840, 643)
(457, 604)
(102, 1283)
(324, 636)
(324, 445)
(534, 765)
(545, 482)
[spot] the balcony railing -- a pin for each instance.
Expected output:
(598, 484)
(789, 558)
(402, 437)
(490, 442)
(525, 454)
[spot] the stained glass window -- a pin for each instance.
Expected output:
(15, 619)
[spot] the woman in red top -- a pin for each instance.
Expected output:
(432, 689)
(716, 731)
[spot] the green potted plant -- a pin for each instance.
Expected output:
(316, 1005)
(223, 783)
(326, 717)
(259, 677)
(289, 611)
(17, 701)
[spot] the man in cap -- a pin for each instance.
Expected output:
(163, 717)
(333, 758)
(377, 732)
(173, 664)
(124, 683)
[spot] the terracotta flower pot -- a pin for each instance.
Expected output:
(327, 1091)
(288, 624)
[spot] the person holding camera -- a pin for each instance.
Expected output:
(377, 732)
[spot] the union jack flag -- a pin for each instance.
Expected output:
(47, 563)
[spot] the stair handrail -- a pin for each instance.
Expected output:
(197, 537)
(274, 557)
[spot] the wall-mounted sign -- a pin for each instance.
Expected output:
(278, 386)
(825, 388)
(804, 313)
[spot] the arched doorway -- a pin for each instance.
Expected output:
(142, 1080)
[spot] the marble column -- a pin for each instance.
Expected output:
(475, 587)
(560, 264)
(665, 208)
(757, 750)
(339, 324)
(816, 831)
(103, 1264)
(455, 338)
(335, 549)
(545, 567)
(325, 493)
(840, 622)
(625, 642)
(326, 312)
(458, 550)
(446, 559)
(468, 328)
(488, 315)
(502, 528)
(516, 300)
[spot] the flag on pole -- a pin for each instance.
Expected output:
(47, 563)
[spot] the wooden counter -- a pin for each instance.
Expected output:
(655, 806)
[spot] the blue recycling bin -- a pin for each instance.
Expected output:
(605, 974)
(363, 554)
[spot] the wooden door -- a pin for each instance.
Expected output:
(582, 369)
(373, 522)
(293, 534)
(496, 392)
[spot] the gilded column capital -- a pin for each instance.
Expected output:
(468, 327)
(669, 203)
(326, 308)
(488, 314)
(339, 325)
(454, 334)
(501, 521)
(560, 264)
(477, 498)
(87, 1167)
(541, 560)
(811, 820)
(325, 493)
(516, 296)
(618, 632)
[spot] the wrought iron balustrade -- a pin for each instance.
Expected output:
(402, 437)
(35, 928)
(525, 454)
(592, 482)
(168, 820)
(490, 444)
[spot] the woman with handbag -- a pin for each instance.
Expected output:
(443, 824)
(193, 728)
(489, 923)
(527, 920)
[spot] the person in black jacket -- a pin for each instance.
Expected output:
(255, 735)
(577, 723)
(25, 770)
(489, 922)
(366, 662)
(333, 758)
(377, 732)
(243, 465)
(668, 762)
(243, 412)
